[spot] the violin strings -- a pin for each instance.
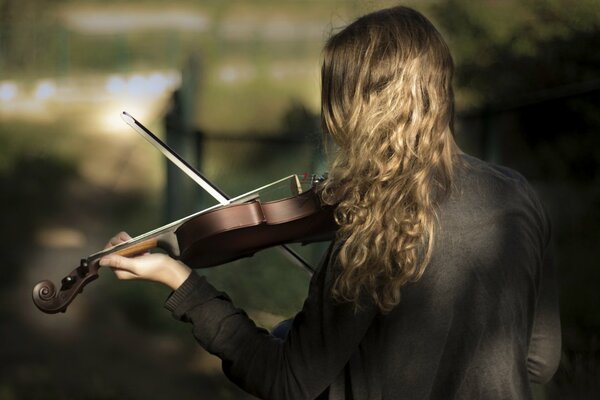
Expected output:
(239, 199)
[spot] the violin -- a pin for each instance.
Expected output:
(214, 236)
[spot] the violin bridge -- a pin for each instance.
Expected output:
(295, 185)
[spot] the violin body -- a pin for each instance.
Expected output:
(210, 238)
(217, 238)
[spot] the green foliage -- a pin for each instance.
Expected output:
(510, 48)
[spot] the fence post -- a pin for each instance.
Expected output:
(182, 195)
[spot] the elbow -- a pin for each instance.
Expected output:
(544, 353)
(541, 370)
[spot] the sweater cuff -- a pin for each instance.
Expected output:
(182, 292)
(194, 291)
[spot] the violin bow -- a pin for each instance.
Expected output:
(201, 180)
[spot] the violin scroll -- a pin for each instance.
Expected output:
(48, 300)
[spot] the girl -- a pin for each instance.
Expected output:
(440, 283)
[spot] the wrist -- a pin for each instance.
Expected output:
(179, 273)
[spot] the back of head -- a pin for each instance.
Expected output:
(387, 103)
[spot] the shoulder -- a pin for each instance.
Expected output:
(493, 179)
(498, 187)
(480, 170)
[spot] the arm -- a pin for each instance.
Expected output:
(321, 340)
(323, 337)
(545, 343)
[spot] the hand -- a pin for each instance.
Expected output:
(153, 267)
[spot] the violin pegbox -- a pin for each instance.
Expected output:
(48, 300)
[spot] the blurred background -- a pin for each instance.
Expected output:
(234, 87)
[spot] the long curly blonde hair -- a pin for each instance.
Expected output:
(388, 104)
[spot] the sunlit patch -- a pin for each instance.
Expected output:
(274, 28)
(45, 89)
(228, 74)
(290, 70)
(138, 94)
(59, 237)
(143, 94)
(8, 90)
(142, 85)
(236, 73)
(120, 19)
(173, 78)
(137, 85)
(109, 116)
(116, 84)
(157, 83)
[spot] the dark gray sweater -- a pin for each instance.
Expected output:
(482, 322)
